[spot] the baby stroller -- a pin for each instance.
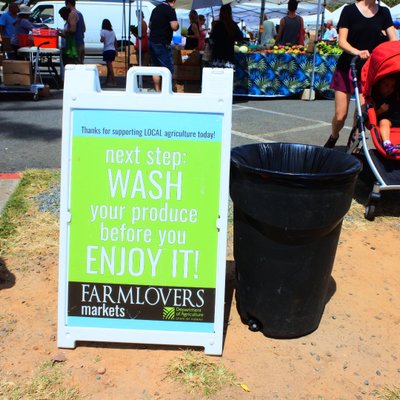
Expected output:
(384, 61)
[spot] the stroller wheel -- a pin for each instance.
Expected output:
(370, 212)
(373, 199)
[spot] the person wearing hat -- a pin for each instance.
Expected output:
(22, 26)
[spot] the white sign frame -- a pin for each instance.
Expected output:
(82, 92)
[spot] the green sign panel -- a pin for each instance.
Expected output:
(144, 206)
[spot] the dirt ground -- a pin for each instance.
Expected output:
(354, 353)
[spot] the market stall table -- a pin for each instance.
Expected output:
(263, 74)
(49, 58)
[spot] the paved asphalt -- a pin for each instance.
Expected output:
(30, 132)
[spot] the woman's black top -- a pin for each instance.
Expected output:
(223, 42)
(191, 42)
(364, 33)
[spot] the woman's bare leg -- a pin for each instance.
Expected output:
(342, 101)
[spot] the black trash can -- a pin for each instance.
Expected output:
(289, 203)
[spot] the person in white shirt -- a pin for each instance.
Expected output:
(109, 40)
(269, 31)
(330, 33)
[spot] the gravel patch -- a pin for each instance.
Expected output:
(49, 201)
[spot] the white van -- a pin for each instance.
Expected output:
(94, 12)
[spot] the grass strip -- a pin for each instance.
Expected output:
(199, 375)
(32, 182)
(390, 393)
(47, 384)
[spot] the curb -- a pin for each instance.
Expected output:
(8, 183)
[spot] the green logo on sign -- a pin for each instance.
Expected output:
(169, 313)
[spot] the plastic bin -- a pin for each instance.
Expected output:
(24, 40)
(177, 40)
(41, 36)
(289, 202)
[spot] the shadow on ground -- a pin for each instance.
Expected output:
(7, 278)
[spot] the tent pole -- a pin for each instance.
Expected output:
(311, 96)
(323, 29)
(139, 49)
(139, 21)
(123, 36)
(261, 27)
(128, 48)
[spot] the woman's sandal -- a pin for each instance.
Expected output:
(331, 142)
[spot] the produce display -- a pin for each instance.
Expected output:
(277, 49)
(289, 48)
(327, 48)
(322, 48)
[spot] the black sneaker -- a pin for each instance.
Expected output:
(331, 142)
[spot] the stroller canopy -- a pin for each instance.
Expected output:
(384, 60)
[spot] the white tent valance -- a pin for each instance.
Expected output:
(395, 11)
(250, 12)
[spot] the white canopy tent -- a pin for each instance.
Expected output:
(252, 14)
(336, 14)
(311, 10)
(250, 11)
(395, 11)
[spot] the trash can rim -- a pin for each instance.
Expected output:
(350, 171)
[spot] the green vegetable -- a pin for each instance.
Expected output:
(325, 48)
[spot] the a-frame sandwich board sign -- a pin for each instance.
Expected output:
(144, 204)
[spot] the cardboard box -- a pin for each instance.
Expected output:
(119, 64)
(102, 69)
(17, 67)
(120, 57)
(133, 59)
(186, 57)
(187, 73)
(120, 71)
(17, 79)
(311, 44)
(131, 49)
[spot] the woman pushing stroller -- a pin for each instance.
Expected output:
(361, 27)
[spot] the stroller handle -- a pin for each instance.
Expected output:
(354, 60)
(354, 69)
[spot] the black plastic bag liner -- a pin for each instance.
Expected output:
(289, 203)
(295, 162)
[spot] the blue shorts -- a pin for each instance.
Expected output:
(109, 55)
(161, 56)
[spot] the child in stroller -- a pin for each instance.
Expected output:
(386, 98)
